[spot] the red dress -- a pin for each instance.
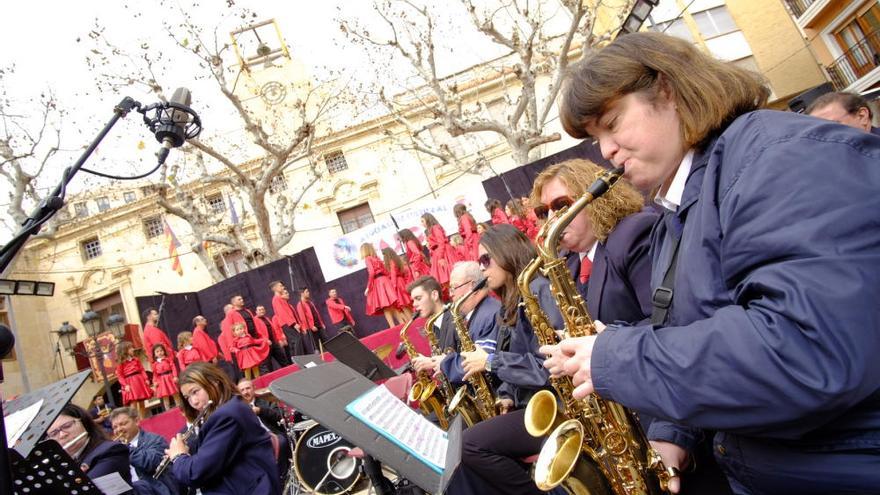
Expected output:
(155, 335)
(416, 260)
(469, 236)
(381, 293)
(531, 224)
(250, 352)
(499, 217)
(442, 256)
(204, 343)
(519, 223)
(401, 281)
(131, 373)
(164, 373)
(189, 355)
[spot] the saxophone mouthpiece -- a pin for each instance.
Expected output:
(481, 284)
(415, 314)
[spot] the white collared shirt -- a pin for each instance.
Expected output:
(670, 198)
(590, 254)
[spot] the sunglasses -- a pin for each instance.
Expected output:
(484, 260)
(560, 203)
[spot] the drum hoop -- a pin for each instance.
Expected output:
(299, 475)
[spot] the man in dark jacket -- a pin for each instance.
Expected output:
(146, 452)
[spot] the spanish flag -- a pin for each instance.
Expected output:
(173, 244)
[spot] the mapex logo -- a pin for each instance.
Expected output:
(323, 440)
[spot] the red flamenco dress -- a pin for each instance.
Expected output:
(381, 293)
(416, 259)
(531, 224)
(164, 374)
(188, 355)
(470, 238)
(249, 351)
(401, 279)
(442, 254)
(133, 379)
(499, 217)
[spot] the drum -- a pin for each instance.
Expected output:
(321, 458)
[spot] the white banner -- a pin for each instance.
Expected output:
(341, 256)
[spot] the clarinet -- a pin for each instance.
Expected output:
(166, 461)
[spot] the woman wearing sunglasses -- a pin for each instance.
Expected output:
(491, 449)
(88, 445)
(235, 454)
(769, 253)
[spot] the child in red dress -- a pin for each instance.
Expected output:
(187, 353)
(381, 294)
(493, 206)
(442, 255)
(249, 352)
(398, 271)
(414, 255)
(132, 377)
(164, 377)
(467, 229)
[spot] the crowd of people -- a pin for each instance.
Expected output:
(735, 310)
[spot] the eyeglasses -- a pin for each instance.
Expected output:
(484, 260)
(65, 427)
(557, 204)
(459, 286)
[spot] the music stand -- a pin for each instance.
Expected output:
(47, 468)
(306, 360)
(323, 391)
(351, 351)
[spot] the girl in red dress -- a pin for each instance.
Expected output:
(493, 206)
(467, 229)
(164, 377)
(516, 216)
(249, 352)
(458, 248)
(442, 256)
(381, 294)
(414, 254)
(399, 274)
(187, 353)
(531, 218)
(132, 377)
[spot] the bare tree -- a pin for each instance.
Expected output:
(29, 139)
(271, 140)
(530, 49)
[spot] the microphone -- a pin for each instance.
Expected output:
(174, 122)
(401, 350)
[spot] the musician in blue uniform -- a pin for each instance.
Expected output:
(235, 454)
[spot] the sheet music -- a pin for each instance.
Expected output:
(111, 484)
(395, 420)
(18, 422)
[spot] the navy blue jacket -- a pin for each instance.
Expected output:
(108, 457)
(483, 329)
(619, 288)
(772, 338)
(145, 458)
(516, 361)
(234, 456)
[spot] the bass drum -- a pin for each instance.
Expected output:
(321, 457)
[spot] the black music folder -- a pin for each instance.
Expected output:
(324, 391)
(353, 353)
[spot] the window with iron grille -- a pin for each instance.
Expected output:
(216, 203)
(81, 209)
(91, 248)
(335, 161)
(103, 203)
(129, 196)
(355, 218)
(153, 227)
(277, 184)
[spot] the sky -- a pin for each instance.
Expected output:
(50, 42)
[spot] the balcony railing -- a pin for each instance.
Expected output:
(856, 62)
(798, 7)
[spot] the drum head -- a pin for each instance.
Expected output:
(320, 451)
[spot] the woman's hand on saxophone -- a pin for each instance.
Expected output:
(673, 457)
(474, 361)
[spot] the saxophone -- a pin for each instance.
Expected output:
(483, 400)
(445, 387)
(617, 457)
(424, 389)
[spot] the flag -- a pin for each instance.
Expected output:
(173, 244)
(232, 213)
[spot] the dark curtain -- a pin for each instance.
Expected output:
(520, 179)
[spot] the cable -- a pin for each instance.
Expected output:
(118, 177)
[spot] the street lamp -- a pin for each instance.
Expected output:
(640, 11)
(67, 339)
(116, 322)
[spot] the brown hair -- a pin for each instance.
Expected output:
(429, 219)
(512, 251)
(212, 380)
(427, 283)
(184, 338)
(367, 249)
(122, 349)
(850, 102)
(604, 213)
(96, 434)
(392, 258)
(708, 93)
